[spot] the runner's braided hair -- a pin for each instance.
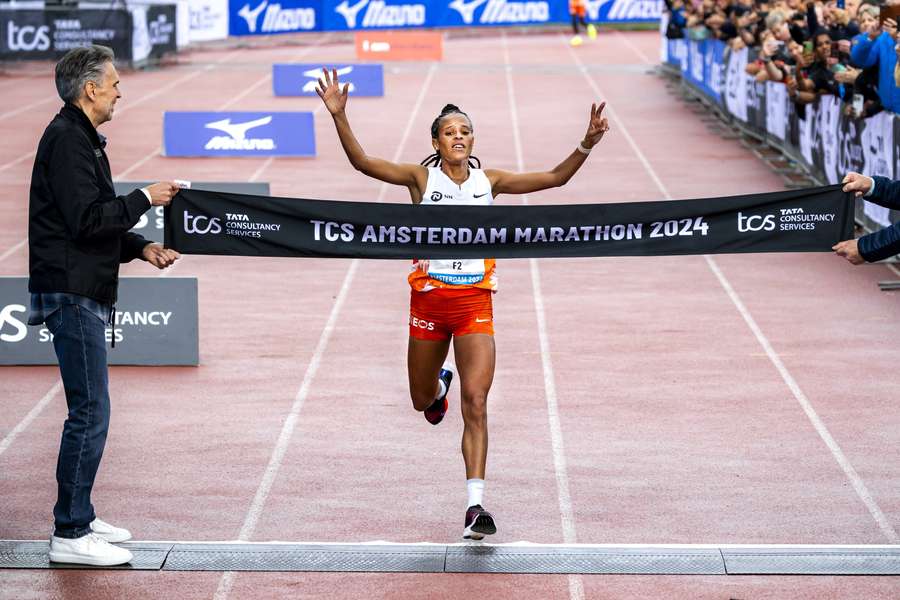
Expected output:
(434, 160)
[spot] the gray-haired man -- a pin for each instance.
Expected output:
(77, 236)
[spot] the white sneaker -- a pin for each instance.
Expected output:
(111, 534)
(90, 549)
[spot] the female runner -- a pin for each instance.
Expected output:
(451, 299)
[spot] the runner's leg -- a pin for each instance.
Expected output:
(423, 360)
(475, 360)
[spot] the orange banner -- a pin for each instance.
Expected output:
(399, 45)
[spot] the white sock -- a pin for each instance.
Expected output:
(442, 389)
(476, 491)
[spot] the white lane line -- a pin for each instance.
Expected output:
(564, 497)
(31, 416)
(858, 485)
(226, 582)
(13, 250)
(27, 107)
(634, 47)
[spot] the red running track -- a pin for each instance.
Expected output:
(636, 399)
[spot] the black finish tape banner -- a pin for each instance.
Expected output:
(204, 222)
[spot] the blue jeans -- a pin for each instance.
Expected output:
(79, 338)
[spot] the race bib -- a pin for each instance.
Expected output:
(457, 272)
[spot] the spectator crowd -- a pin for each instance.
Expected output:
(847, 49)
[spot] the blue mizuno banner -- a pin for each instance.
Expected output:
(300, 79)
(262, 17)
(239, 134)
(701, 63)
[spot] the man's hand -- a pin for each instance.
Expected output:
(158, 256)
(849, 250)
(856, 183)
(161, 193)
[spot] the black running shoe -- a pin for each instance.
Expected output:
(434, 414)
(479, 523)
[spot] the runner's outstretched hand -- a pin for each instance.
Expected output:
(330, 92)
(597, 127)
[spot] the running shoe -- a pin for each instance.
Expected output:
(479, 523)
(434, 414)
(592, 31)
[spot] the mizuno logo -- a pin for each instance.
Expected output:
(466, 9)
(314, 74)
(238, 131)
(503, 11)
(278, 18)
(237, 135)
(381, 14)
(349, 12)
(251, 16)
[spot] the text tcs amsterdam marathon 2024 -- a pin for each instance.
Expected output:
(202, 222)
(256, 17)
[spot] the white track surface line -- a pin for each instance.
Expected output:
(287, 430)
(858, 485)
(13, 249)
(564, 497)
(634, 48)
(31, 416)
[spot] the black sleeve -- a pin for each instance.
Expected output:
(886, 193)
(812, 21)
(881, 244)
(132, 247)
(73, 182)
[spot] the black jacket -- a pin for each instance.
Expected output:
(885, 242)
(77, 227)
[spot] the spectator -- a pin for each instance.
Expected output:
(820, 74)
(875, 48)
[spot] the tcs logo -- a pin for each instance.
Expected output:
(201, 225)
(27, 37)
(7, 318)
(755, 223)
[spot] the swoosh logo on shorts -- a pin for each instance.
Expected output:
(479, 195)
(482, 320)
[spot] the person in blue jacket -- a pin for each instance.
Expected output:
(880, 244)
(876, 47)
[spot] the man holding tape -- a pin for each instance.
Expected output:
(879, 244)
(78, 234)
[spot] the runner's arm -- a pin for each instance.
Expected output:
(335, 99)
